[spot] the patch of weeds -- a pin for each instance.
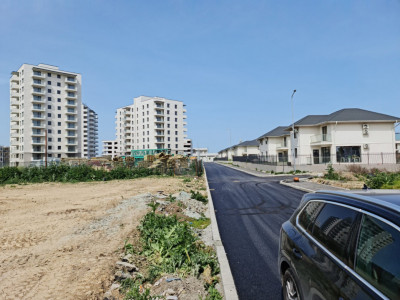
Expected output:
(187, 179)
(213, 294)
(153, 206)
(128, 248)
(138, 293)
(200, 223)
(198, 196)
(170, 198)
(331, 174)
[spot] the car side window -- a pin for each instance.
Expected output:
(309, 214)
(333, 228)
(377, 254)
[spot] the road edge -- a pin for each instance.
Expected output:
(296, 187)
(228, 283)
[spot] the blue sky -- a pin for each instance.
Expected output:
(234, 63)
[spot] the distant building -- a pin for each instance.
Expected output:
(203, 154)
(152, 123)
(89, 132)
(4, 156)
(110, 148)
(245, 148)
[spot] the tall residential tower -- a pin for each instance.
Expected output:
(46, 115)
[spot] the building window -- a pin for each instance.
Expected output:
(168, 125)
(58, 107)
(169, 139)
(348, 154)
(167, 112)
(167, 118)
(49, 106)
(176, 119)
(59, 116)
(176, 125)
(49, 82)
(48, 122)
(59, 140)
(58, 76)
(176, 106)
(49, 147)
(58, 92)
(49, 115)
(49, 130)
(49, 90)
(48, 98)
(176, 132)
(58, 83)
(59, 131)
(50, 139)
(176, 146)
(59, 147)
(176, 113)
(48, 74)
(58, 99)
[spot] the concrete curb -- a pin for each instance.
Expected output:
(228, 284)
(296, 186)
(251, 172)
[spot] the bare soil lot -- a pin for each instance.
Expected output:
(61, 241)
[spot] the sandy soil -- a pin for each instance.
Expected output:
(61, 241)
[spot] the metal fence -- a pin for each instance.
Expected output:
(277, 160)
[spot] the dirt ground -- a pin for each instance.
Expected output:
(61, 241)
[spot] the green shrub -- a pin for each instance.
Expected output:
(198, 196)
(331, 174)
(384, 180)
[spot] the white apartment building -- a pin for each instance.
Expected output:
(110, 148)
(46, 115)
(152, 123)
(89, 132)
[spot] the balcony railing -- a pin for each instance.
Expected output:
(320, 138)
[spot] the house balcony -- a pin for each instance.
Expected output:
(159, 133)
(15, 94)
(38, 75)
(14, 142)
(14, 135)
(282, 147)
(38, 100)
(321, 139)
(72, 150)
(71, 112)
(14, 110)
(15, 119)
(71, 135)
(72, 128)
(38, 150)
(159, 120)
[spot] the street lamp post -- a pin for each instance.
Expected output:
(293, 146)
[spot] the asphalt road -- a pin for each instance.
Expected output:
(250, 211)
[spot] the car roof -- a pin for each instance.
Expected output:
(389, 199)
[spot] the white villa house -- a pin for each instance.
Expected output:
(203, 154)
(245, 148)
(275, 145)
(350, 135)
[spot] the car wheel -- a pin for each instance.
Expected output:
(290, 286)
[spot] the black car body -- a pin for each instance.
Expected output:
(342, 245)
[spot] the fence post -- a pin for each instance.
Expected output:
(368, 157)
(382, 157)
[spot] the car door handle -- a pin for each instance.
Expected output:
(297, 253)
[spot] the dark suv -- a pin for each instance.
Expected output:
(342, 245)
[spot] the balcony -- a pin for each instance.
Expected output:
(72, 150)
(15, 119)
(71, 120)
(14, 110)
(14, 78)
(70, 79)
(38, 91)
(159, 113)
(15, 127)
(37, 100)
(38, 108)
(70, 104)
(70, 88)
(15, 94)
(14, 102)
(72, 97)
(38, 84)
(321, 139)
(38, 125)
(38, 142)
(14, 142)
(38, 150)
(71, 112)
(38, 117)
(159, 133)
(38, 133)
(72, 135)
(159, 120)
(72, 128)
(14, 135)
(283, 146)
(38, 75)
(70, 143)
(15, 86)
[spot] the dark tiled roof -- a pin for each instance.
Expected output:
(278, 131)
(247, 143)
(344, 115)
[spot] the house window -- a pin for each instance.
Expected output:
(58, 92)
(58, 99)
(58, 76)
(348, 154)
(58, 107)
(49, 82)
(49, 115)
(49, 90)
(324, 133)
(48, 74)
(59, 131)
(48, 122)
(59, 140)
(58, 84)
(59, 147)
(48, 98)
(49, 106)
(49, 130)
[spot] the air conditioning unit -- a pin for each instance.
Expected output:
(366, 146)
(365, 128)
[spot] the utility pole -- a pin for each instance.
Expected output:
(293, 134)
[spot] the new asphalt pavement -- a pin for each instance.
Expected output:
(250, 211)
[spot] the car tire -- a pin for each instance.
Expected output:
(290, 286)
